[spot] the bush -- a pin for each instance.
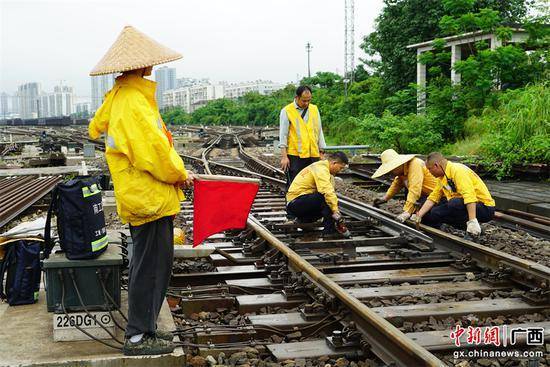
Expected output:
(517, 131)
(406, 134)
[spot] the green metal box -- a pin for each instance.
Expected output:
(97, 280)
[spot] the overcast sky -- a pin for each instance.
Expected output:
(232, 40)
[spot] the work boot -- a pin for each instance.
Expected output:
(148, 345)
(164, 335)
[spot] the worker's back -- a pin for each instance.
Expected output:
(311, 179)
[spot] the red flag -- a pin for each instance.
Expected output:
(220, 203)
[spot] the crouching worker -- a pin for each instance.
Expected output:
(409, 172)
(311, 195)
(468, 199)
(147, 174)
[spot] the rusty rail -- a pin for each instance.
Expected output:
(18, 194)
(387, 342)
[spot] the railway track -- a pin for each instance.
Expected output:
(389, 294)
(18, 193)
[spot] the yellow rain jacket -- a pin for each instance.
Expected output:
(469, 186)
(314, 178)
(303, 136)
(145, 168)
(418, 180)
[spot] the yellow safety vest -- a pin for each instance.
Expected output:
(303, 136)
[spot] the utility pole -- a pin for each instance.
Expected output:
(308, 50)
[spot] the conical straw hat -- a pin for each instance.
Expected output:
(391, 160)
(133, 50)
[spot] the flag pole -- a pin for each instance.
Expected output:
(227, 178)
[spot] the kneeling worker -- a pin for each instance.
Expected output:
(409, 172)
(311, 195)
(469, 201)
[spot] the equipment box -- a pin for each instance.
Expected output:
(97, 280)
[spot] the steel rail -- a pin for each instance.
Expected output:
(483, 254)
(33, 192)
(524, 272)
(386, 341)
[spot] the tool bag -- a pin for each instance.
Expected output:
(22, 266)
(80, 219)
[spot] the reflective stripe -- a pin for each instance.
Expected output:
(99, 244)
(111, 142)
(299, 135)
(159, 124)
(86, 192)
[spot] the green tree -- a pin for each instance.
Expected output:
(405, 22)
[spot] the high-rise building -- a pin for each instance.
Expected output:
(28, 100)
(166, 80)
(44, 105)
(58, 103)
(64, 100)
(101, 84)
(4, 110)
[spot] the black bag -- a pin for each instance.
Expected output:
(22, 265)
(80, 219)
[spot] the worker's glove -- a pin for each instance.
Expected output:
(378, 201)
(403, 217)
(473, 228)
(336, 216)
(416, 220)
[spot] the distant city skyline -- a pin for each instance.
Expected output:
(94, 94)
(90, 96)
(233, 41)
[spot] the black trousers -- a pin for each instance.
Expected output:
(454, 212)
(149, 275)
(310, 207)
(296, 165)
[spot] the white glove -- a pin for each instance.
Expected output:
(473, 228)
(403, 217)
(336, 216)
(415, 218)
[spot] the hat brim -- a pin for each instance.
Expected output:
(133, 67)
(389, 166)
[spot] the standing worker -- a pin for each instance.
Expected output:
(311, 195)
(409, 172)
(301, 138)
(147, 175)
(468, 199)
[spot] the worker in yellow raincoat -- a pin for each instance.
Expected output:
(409, 172)
(147, 175)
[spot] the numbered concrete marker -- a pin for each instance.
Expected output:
(65, 326)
